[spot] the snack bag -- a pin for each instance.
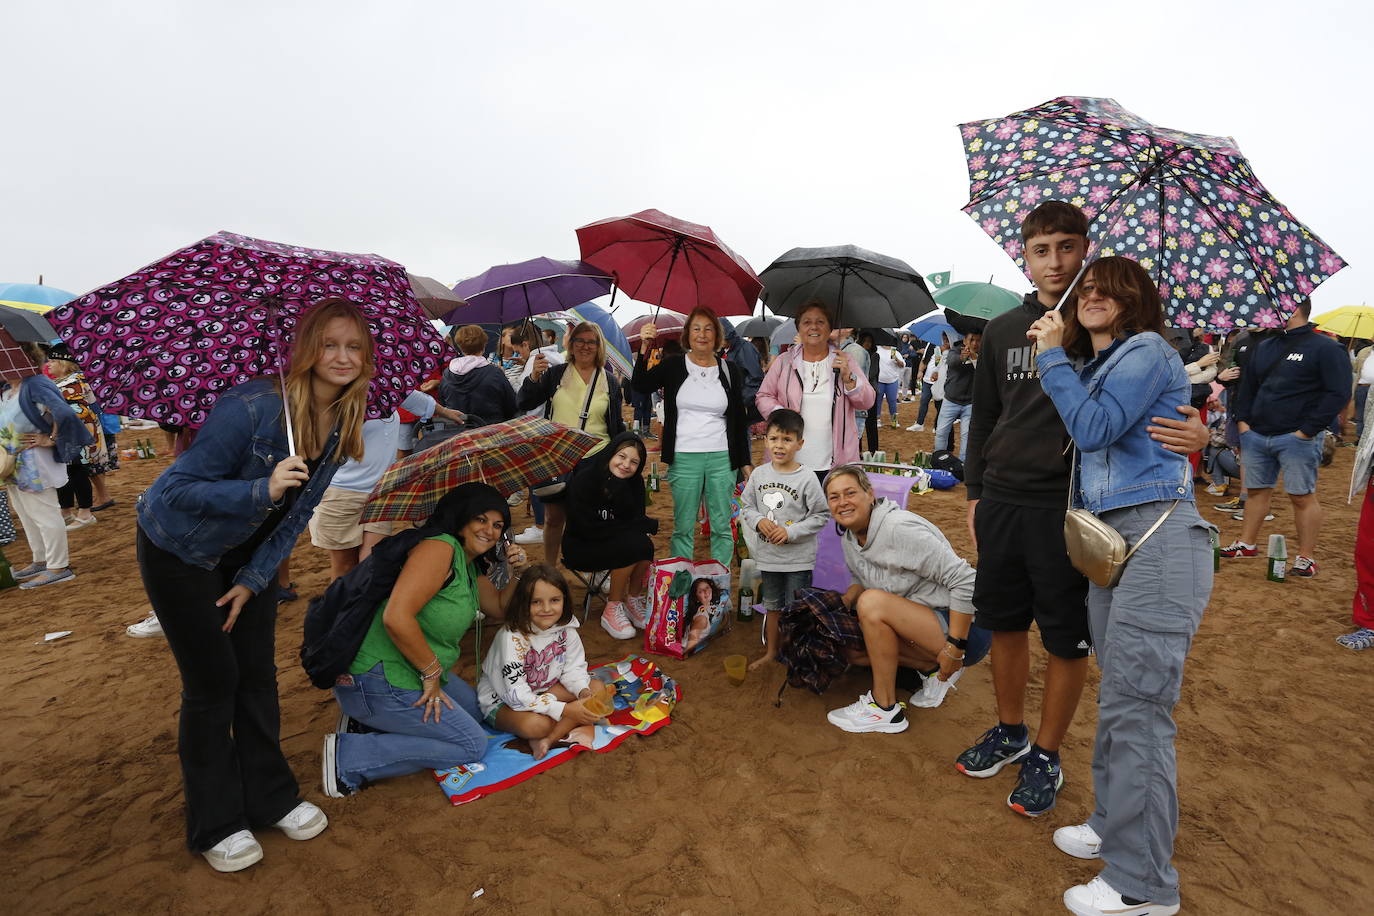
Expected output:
(689, 603)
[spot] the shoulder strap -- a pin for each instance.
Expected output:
(587, 404)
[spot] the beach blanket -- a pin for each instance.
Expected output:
(644, 697)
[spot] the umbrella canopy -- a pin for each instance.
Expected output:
(34, 297)
(508, 456)
(618, 351)
(1188, 207)
(163, 342)
(763, 326)
(435, 298)
(931, 327)
(976, 300)
(15, 364)
(25, 325)
(671, 263)
(784, 335)
(668, 324)
(1348, 321)
(862, 288)
(881, 336)
(510, 292)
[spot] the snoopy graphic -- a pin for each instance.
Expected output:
(774, 499)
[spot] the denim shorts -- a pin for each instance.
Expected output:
(776, 588)
(1263, 457)
(979, 639)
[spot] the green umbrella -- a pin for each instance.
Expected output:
(976, 300)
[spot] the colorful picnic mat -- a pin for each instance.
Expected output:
(641, 693)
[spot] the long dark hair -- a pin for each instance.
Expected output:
(1128, 283)
(461, 505)
(518, 611)
(607, 480)
(692, 601)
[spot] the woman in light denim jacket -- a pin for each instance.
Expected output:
(212, 530)
(1142, 628)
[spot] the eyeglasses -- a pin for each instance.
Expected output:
(584, 341)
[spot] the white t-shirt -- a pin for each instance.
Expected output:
(701, 403)
(1367, 371)
(888, 370)
(818, 382)
(933, 365)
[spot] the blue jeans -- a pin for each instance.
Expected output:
(927, 392)
(944, 426)
(404, 744)
(1266, 456)
(776, 588)
(887, 391)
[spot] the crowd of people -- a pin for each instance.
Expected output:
(1073, 399)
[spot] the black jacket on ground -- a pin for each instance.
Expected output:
(483, 394)
(1017, 444)
(669, 375)
(533, 393)
(1297, 381)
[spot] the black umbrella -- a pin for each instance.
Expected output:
(861, 287)
(758, 327)
(966, 324)
(881, 336)
(25, 326)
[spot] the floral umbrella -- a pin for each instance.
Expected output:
(165, 341)
(1188, 207)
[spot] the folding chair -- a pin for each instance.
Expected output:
(596, 582)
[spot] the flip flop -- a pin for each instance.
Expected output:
(105, 505)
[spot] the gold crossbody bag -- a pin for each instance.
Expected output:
(1096, 549)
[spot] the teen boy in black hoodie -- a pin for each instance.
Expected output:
(1017, 478)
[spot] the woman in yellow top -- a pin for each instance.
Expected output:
(564, 392)
(401, 686)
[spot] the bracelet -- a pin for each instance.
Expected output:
(945, 651)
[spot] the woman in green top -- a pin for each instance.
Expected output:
(400, 684)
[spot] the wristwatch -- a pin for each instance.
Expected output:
(956, 642)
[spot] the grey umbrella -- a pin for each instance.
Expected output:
(25, 326)
(763, 326)
(861, 288)
(435, 298)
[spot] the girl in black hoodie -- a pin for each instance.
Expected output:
(608, 529)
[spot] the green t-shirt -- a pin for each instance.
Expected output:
(443, 620)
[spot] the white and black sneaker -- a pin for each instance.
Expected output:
(864, 715)
(333, 786)
(1098, 898)
(1079, 841)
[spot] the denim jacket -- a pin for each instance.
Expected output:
(215, 495)
(1106, 408)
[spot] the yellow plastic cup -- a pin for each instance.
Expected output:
(735, 668)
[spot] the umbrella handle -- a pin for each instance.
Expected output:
(281, 376)
(1078, 276)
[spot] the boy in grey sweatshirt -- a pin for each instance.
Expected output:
(784, 506)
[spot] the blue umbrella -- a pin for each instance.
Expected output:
(617, 347)
(33, 296)
(931, 327)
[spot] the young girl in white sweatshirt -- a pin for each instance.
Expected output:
(534, 679)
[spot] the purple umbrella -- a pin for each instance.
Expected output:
(510, 292)
(165, 341)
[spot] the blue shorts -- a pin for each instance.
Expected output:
(1263, 457)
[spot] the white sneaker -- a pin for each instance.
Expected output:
(235, 852)
(864, 715)
(1079, 841)
(615, 621)
(148, 626)
(916, 428)
(333, 786)
(1216, 490)
(530, 535)
(933, 690)
(304, 822)
(1096, 898)
(637, 609)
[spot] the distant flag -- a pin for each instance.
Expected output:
(938, 280)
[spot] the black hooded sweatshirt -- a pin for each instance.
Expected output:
(1018, 447)
(600, 504)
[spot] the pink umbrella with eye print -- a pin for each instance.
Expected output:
(1188, 207)
(165, 341)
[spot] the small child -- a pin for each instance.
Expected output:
(534, 678)
(782, 502)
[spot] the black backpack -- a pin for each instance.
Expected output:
(945, 460)
(337, 621)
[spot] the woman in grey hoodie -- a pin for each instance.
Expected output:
(914, 599)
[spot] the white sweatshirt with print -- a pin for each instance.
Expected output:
(520, 670)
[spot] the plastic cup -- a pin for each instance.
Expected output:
(736, 666)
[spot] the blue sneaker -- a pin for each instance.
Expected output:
(1037, 787)
(997, 748)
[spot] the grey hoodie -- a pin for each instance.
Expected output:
(908, 556)
(793, 500)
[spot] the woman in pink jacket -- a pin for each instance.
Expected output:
(820, 383)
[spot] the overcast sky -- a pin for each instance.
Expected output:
(452, 136)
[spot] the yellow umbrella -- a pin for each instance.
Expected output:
(1348, 321)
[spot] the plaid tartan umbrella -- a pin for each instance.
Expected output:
(508, 456)
(15, 365)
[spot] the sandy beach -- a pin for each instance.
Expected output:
(739, 806)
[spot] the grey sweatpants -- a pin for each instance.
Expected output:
(1142, 630)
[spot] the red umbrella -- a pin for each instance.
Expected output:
(15, 365)
(669, 325)
(671, 263)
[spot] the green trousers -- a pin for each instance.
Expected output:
(695, 476)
